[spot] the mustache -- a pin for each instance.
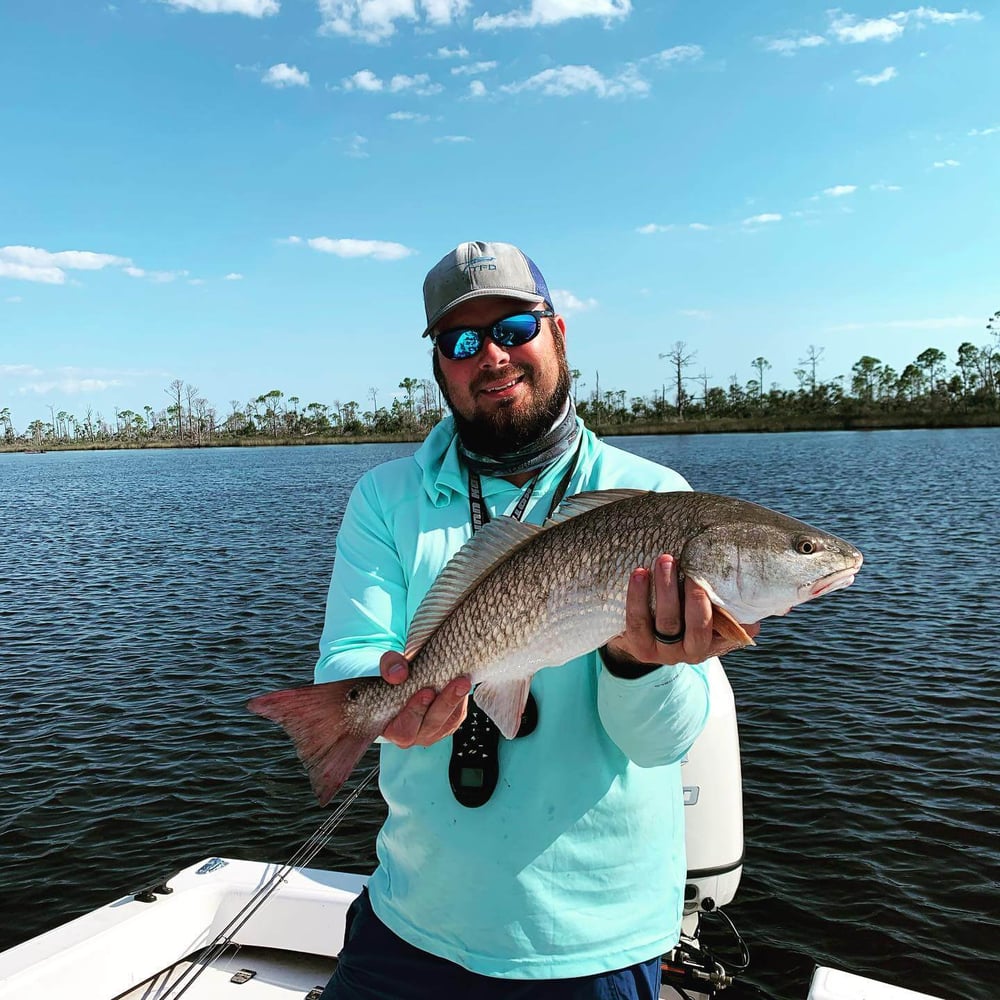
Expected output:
(504, 374)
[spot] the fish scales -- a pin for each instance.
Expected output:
(519, 598)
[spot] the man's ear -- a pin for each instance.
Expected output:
(560, 324)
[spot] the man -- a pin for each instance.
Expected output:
(550, 865)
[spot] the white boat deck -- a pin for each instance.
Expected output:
(277, 975)
(148, 947)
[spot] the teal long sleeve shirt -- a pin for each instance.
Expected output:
(576, 864)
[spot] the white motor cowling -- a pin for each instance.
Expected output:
(713, 803)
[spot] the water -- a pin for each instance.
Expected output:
(145, 595)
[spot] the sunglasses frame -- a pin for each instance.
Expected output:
(482, 332)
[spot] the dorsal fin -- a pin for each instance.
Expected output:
(489, 546)
(580, 503)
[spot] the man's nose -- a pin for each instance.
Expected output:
(493, 355)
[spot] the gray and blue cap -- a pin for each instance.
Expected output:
(473, 270)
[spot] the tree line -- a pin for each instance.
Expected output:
(931, 384)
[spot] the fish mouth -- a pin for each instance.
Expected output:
(835, 581)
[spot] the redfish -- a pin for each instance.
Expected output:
(520, 597)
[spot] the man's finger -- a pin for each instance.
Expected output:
(453, 721)
(404, 728)
(637, 605)
(393, 667)
(670, 618)
(697, 623)
(435, 722)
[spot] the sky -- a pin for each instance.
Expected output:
(247, 194)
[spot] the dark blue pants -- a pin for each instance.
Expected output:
(377, 965)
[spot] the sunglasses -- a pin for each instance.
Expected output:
(513, 331)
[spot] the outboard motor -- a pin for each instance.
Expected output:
(713, 806)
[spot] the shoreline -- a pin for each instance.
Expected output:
(722, 425)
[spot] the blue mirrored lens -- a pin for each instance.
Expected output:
(460, 343)
(516, 330)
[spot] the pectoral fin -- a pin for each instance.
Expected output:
(727, 627)
(503, 702)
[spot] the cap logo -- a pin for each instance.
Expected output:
(479, 264)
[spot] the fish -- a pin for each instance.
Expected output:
(518, 598)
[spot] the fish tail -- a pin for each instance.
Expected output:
(314, 717)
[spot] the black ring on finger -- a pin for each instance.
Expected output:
(668, 640)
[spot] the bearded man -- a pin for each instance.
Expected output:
(549, 866)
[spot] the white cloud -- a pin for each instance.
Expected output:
(567, 302)
(365, 80)
(882, 186)
(566, 81)
(695, 313)
(460, 53)
(889, 73)
(677, 53)
(233, 276)
(25, 272)
(477, 88)
(847, 29)
(654, 227)
(47, 267)
(158, 277)
(790, 44)
(375, 20)
(13, 299)
(70, 386)
(283, 75)
(419, 84)
(763, 218)
(453, 138)
(939, 16)
(378, 249)
(290, 239)
(545, 12)
(78, 260)
(473, 69)
(356, 147)
(408, 116)
(984, 131)
(946, 163)
(19, 370)
(839, 190)
(252, 8)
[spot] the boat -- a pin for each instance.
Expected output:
(275, 929)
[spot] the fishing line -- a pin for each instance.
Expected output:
(312, 846)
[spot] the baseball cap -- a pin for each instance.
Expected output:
(472, 270)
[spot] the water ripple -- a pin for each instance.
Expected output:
(145, 595)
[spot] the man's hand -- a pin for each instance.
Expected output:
(687, 617)
(427, 717)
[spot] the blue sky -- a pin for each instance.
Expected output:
(246, 194)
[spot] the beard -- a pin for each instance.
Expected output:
(508, 428)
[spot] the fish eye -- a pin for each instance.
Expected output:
(807, 546)
(354, 694)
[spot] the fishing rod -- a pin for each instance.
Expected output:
(312, 846)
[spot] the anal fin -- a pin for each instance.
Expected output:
(503, 702)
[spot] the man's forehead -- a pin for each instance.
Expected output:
(484, 310)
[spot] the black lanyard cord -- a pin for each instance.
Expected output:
(480, 515)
